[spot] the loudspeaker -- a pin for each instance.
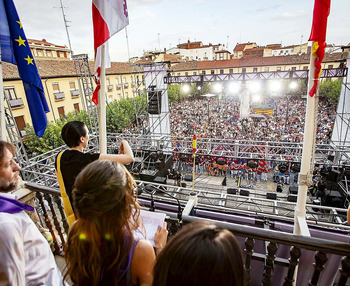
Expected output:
(148, 175)
(232, 191)
(244, 193)
(333, 175)
(160, 180)
(293, 190)
(154, 102)
(292, 198)
(188, 178)
(271, 196)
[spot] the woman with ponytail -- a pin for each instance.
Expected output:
(101, 249)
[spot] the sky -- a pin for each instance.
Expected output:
(163, 24)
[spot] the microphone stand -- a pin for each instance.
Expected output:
(179, 208)
(152, 208)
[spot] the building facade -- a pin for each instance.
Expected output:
(123, 80)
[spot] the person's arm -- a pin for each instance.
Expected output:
(125, 155)
(12, 260)
(142, 264)
(348, 215)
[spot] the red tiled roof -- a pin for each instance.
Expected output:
(43, 42)
(240, 47)
(222, 51)
(59, 68)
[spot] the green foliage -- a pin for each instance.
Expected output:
(205, 88)
(174, 92)
(330, 89)
(51, 139)
(119, 114)
(301, 88)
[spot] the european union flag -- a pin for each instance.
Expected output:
(15, 49)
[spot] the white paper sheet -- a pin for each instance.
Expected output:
(151, 222)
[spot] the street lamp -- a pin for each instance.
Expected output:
(254, 86)
(217, 88)
(234, 87)
(186, 88)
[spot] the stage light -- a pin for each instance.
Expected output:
(186, 88)
(275, 86)
(234, 87)
(217, 87)
(256, 98)
(254, 86)
(199, 87)
(293, 85)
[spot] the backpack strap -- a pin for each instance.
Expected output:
(66, 202)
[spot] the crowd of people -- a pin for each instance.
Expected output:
(219, 118)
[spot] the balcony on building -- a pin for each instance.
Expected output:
(59, 96)
(119, 86)
(75, 93)
(110, 87)
(16, 103)
(126, 85)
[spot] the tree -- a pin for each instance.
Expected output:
(330, 89)
(174, 92)
(119, 114)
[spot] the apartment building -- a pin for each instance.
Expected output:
(62, 90)
(45, 50)
(196, 51)
(64, 95)
(254, 64)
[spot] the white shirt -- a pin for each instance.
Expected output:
(25, 255)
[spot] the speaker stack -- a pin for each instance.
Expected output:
(232, 191)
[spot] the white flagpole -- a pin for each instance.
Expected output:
(102, 103)
(2, 106)
(300, 225)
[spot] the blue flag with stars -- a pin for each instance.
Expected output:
(15, 49)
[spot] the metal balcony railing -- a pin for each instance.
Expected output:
(272, 253)
(59, 95)
(15, 103)
(75, 93)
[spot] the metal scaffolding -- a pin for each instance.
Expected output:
(297, 74)
(13, 133)
(85, 79)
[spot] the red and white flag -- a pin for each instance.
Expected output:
(318, 36)
(109, 17)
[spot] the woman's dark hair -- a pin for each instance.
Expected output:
(200, 254)
(72, 131)
(99, 241)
